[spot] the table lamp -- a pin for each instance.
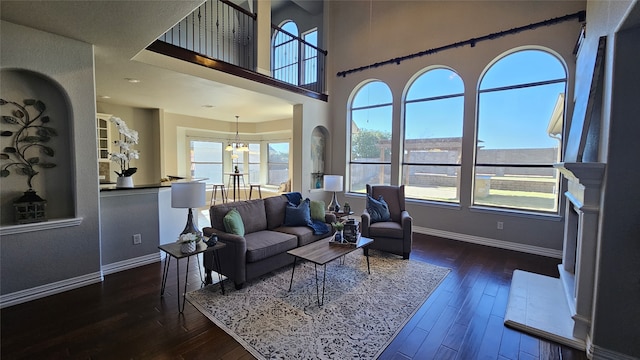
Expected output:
(191, 194)
(333, 183)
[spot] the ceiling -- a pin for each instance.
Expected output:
(121, 30)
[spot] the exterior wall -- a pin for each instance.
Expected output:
(67, 255)
(360, 35)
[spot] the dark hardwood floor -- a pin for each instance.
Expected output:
(124, 317)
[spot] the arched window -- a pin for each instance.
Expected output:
(370, 130)
(285, 54)
(433, 117)
(519, 132)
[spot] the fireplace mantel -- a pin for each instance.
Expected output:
(560, 309)
(589, 173)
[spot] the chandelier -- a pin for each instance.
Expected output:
(237, 145)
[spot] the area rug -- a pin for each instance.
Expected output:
(360, 316)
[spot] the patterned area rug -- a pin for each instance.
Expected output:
(361, 314)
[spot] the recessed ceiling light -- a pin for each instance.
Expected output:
(104, 97)
(132, 80)
(208, 106)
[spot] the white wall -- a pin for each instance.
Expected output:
(69, 255)
(361, 36)
(615, 329)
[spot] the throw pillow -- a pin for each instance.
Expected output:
(298, 215)
(378, 209)
(317, 210)
(233, 223)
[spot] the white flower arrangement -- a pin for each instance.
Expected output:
(125, 142)
(189, 237)
(188, 242)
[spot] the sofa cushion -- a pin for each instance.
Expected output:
(389, 229)
(297, 215)
(378, 209)
(252, 213)
(303, 233)
(317, 210)
(264, 244)
(274, 207)
(233, 223)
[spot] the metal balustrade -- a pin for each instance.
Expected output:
(221, 30)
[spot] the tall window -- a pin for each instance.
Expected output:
(371, 118)
(285, 54)
(310, 57)
(434, 110)
(254, 163)
(206, 160)
(278, 163)
(519, 134)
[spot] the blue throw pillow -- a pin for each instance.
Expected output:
(378, 209)
(298, 215)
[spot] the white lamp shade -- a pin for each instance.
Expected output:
(333, 182)
(192, 194)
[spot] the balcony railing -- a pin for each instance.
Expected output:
(224, 32)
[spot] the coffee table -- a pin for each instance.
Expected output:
(322, 252)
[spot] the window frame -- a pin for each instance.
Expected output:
(192, 161)
(270, 163)
(404, 165)
(350, 161)
(476, 164)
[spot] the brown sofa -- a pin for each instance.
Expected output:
(264, 246)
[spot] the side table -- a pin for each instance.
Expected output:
(173, 251)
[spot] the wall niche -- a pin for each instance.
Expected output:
(55, 184)
(318, 156)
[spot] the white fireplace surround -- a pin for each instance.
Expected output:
(560, 309)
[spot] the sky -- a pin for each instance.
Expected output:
(508, 119)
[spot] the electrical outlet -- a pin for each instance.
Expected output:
(500, 225)
(137, 239)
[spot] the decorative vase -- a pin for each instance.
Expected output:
(124, 182)
(188, 247)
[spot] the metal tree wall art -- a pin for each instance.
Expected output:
(29, 138)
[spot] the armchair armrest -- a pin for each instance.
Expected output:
(330, 218)
(365, 222)
(406, 222)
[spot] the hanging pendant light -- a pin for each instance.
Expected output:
(237, 145)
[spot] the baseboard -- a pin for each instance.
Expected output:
(530, 249)
(38, 292)
(130, 263)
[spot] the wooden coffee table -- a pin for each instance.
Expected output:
(321, 253)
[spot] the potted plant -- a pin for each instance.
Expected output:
(189, 241)
(339, 226)
(126, 153)
(27, 152)
(346, 208)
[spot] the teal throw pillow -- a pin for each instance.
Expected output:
(317, 210)
(378, 209)
(233, 223)
(298, 215)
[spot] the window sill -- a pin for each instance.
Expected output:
(518, 213)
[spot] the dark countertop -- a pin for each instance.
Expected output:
(112, 187)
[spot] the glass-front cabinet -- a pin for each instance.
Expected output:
(104, 144)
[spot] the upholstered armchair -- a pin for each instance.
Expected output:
(395, 234)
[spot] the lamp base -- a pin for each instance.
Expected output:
(190, 228)
(334, 205)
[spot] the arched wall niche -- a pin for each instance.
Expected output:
(319, 137)
(55, 185)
